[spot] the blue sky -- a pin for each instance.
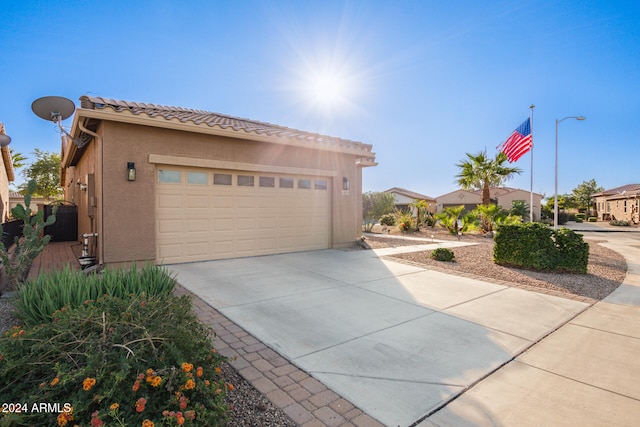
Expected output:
(424, 82)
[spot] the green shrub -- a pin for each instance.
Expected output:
(116, 361)
(581, 216)
(388, 219)
(593, 219)
(579, 220)
(38, 299)
(442, 254)
(404, 220)
(620, 222)
(537, 246)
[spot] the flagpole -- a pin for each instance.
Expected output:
(531, 188)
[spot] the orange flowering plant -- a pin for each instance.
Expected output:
(117, 362)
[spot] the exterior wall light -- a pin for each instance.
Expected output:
(131, 171)
(345, 183)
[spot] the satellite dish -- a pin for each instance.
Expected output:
(4, 140)
(53, 108)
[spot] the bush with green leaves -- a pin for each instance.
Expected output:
(592, 219)
(404, 221)
(455, 220)
(537, 246)
(116, 361)
(580, 215)
(37, 300)
(17, 262)
(443, 254)
(388, 220)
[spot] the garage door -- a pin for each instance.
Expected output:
(204, 214)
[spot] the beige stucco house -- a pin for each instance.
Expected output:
(502, 196)
(174, 185)
(403, 198)
(620, 203)
(6, 176)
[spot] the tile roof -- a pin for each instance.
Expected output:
(408, 193)
(201, 117)
(622, 189)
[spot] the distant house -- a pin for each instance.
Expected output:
(403, 198)
(620, 203)
(6, 176)
(16, 198)
(502, 196)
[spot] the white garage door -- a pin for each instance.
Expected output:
(204, 214)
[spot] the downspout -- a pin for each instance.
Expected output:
(100, 236)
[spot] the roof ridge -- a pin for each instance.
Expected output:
(211, 119)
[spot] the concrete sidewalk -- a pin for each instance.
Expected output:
(586, 373)
(397, 341)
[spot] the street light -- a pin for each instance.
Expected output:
(555, 197)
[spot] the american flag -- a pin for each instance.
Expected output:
(518, 143)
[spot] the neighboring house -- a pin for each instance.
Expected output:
(502, 196)
(16, 198)
(620, 203)
(6, 176)
(174, 185)
(403, 198)
(459, 197)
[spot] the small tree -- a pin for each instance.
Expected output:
(421, 207)
(16, 263)
(374, 205)
(45, 171)
(583, 193)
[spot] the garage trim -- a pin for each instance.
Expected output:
(225, 164)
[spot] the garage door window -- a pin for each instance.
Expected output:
(267, 181)
(245, 181)
(168, 176)
(304, 184)
(221, 179)
(286, 182)
(197, 178)
(321, 184)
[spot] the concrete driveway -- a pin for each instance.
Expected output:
(397, 340)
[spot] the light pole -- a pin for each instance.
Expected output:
(555, 197)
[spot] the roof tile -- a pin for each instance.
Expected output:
(200, 117)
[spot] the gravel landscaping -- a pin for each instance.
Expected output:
(605, 272)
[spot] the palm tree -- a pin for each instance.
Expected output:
(481, 172)
(421, 207)
(18, 159)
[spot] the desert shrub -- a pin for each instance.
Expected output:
(620, 222)
(404, 220)
(455, 220)
(537, 246)
(38, 299)
(116, 361)
(442, 254)
(593, 219)
(388, 219)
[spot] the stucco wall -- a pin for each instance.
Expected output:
(128, 222)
